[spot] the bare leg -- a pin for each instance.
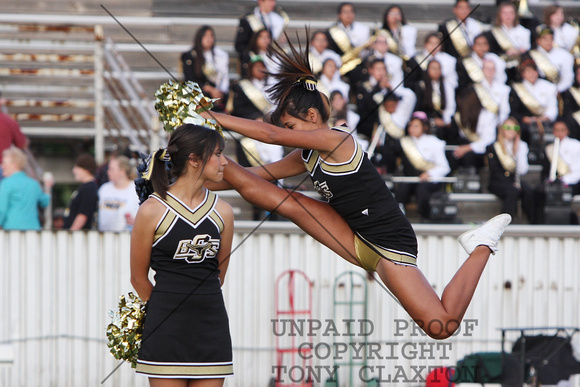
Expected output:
(407, 283)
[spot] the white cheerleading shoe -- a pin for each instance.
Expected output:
(487, 234)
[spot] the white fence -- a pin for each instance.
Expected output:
(56, 289)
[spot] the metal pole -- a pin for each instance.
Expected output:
(99, 88)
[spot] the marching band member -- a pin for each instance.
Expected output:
(462, 30)
(470, 68)
(401, 36)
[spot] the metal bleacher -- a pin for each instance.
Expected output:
(76, 72)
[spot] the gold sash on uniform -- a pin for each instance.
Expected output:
(255, 95)
(561, 167)
(486, 98)
(576, 116)
(528, 99)
(457, 38)
(255, 23)
(506, 160)
(420, 59)
(473, 70)
(340, 37)
(436, 99)
(210, 72)
(502, 39)
(469, 134)
(545, 64)
(251, 151)
(414, 155)
(391, 41)
(390, 127)
(575, 94)
(315, 64)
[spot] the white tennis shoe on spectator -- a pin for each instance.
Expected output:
(487, 234)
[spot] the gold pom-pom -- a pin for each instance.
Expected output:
(180, 103)
(125, 332)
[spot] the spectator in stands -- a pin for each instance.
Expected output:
(534, 103)
(380, 50)
(470, 68)
(422, 155)
(565, 35)
(118, 201)
(567, 162)
(83, 203)
(329, 80)
(436, 98)
(341, 114)
(474, 126)
(401, 37)
(508, 39)
(259, 45)
(20, 195)
(319, 52)
(461, 29)
(10, 133)
(554, 64)
(570, 106)
(264, 17)
(208, 66)
(507, 159)
(348, 38)
(415, 66)
(379, 103)
(248, 98)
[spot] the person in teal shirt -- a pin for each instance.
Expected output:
(20, 195)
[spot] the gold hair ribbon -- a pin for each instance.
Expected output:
(309, 84)
(125, 332)
(180, 103)
(160, 154)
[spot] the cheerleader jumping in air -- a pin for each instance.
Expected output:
(361, 221)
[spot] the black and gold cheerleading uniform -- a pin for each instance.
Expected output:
(359, 194)
(186, 331)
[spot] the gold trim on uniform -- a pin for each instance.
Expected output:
(369, 257)
(414, 155)
(528, 99)
(469, 134)
(192, 370)
(390, 127)
(391, 41)
(561, 167)
(217, 220)
(210, 71)
(421, 61)
(315, 64)
(506, 160)
(473, 70)
(255, 95)
(167, 220)
(576, 116)
(193, 216)
(457, 38)
(486, 98)
(436, 99)
(575, 94)
(545, 64)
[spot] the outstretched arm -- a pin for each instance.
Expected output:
(321, 139)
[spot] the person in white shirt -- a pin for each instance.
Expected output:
(554, 64)
(402, 37)
(499, 91)
(508, 38)
(329, 79)
(356, 33)
(565, 35)
(436, 98)
(319, 52)
(262, 17)
(459, 32)
(422, 155)
(259, 44)
(470, 69)
(507, 159)
(380, 50)
(118, 200)
(208, 66)
(568, 163)
(342, 114)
